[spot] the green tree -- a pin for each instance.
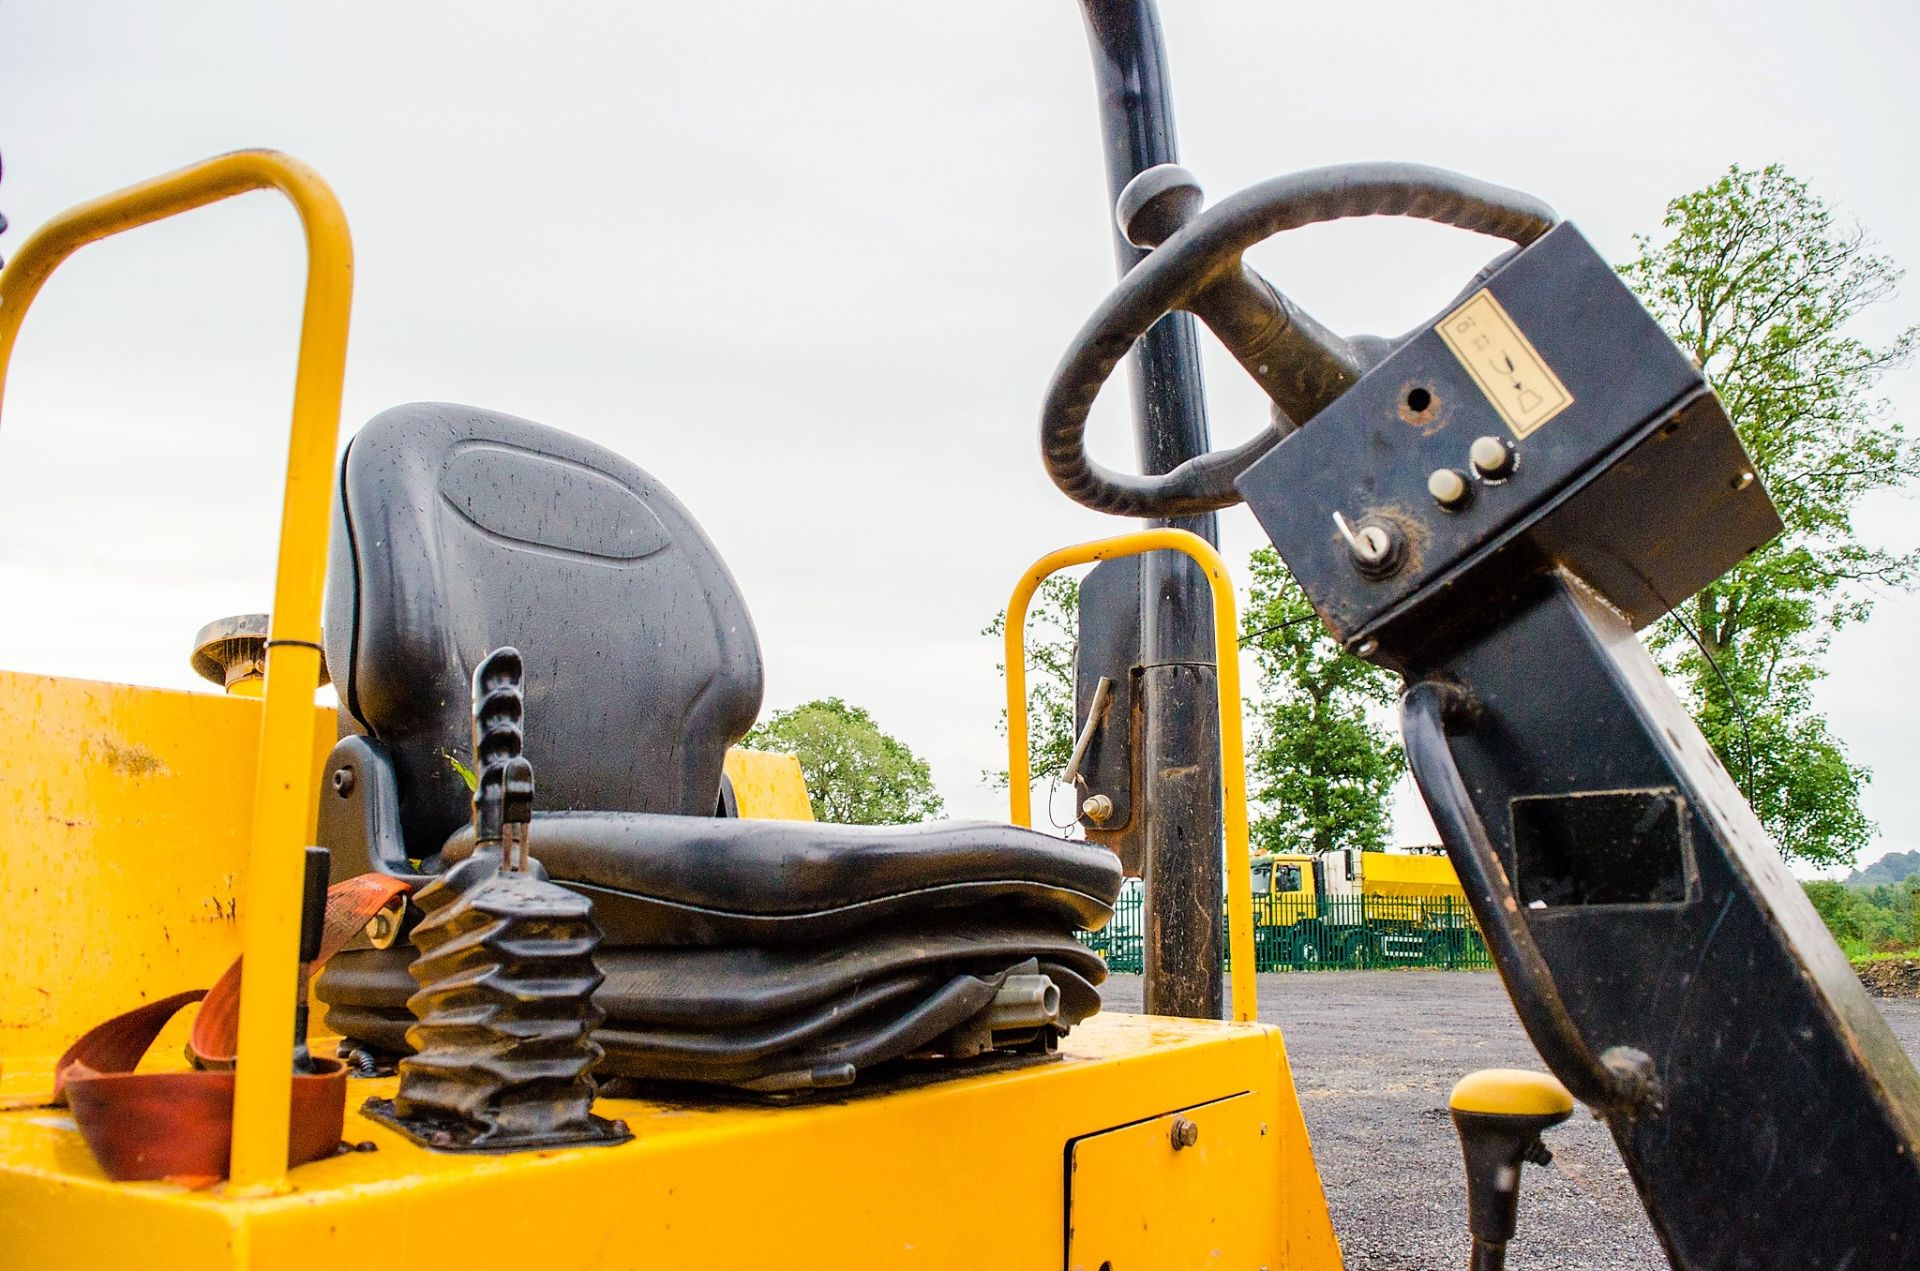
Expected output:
(1865, 919)
(1759, 282)
(855, 773)
(1321, 770)
(1053, 626)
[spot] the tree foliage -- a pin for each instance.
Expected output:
(1053, 625)
(855, 773)
(1321, 769)
(1866, 919)
(1759, 281)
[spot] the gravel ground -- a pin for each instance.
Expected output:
(1374, 1054)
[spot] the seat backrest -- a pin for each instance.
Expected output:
(458, 530)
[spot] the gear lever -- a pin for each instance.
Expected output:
(1500, 1113)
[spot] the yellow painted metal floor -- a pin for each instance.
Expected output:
(968, 1171)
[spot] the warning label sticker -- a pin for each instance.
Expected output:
(1504, 363)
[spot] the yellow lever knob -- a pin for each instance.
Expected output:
(1511, 1092)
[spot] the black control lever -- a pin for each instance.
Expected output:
(1500, 1114)
(313, 924)
(504, 1014)
(503, 800)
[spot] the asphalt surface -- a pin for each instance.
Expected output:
(1374, 1054)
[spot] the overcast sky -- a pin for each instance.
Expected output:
(811, 265)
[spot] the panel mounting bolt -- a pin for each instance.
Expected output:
(1185, 1133)
(1097, 808)
(381, 929)
(1491, 457)
(1448, 488)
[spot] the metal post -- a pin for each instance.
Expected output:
(1178, 689)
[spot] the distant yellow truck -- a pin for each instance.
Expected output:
(1353, 908)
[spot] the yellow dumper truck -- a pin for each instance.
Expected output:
(1347, 907)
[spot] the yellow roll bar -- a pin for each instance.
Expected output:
(283, 797)
(1233, 762)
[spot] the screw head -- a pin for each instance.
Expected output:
(1185, 1132)
(343, 781)
(1097, 808)
(1491, 457)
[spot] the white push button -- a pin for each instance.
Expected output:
(1448, 488)
(1491, 457)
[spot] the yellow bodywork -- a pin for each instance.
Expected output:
(962, 1173)
(1405, 874)
(769, 786)
(1186, 1153)
(128, 812)
(130, 825)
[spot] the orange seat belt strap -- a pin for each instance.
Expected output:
(179, 1125)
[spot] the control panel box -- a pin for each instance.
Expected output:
(1545, 420)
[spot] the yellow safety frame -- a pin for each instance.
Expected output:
(283, 794)
(1233, 764)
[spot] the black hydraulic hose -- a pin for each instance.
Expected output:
(1198, 255)
(1620, 1079)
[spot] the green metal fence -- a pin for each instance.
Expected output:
(1307, 933)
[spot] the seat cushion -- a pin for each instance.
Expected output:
(738, 1015)
(716, 989)
(681, 880)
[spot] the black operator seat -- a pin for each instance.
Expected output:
(772, 954)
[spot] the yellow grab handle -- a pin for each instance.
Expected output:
(1233, 760)
(283, 797)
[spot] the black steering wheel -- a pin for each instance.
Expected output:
(1196, 266)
